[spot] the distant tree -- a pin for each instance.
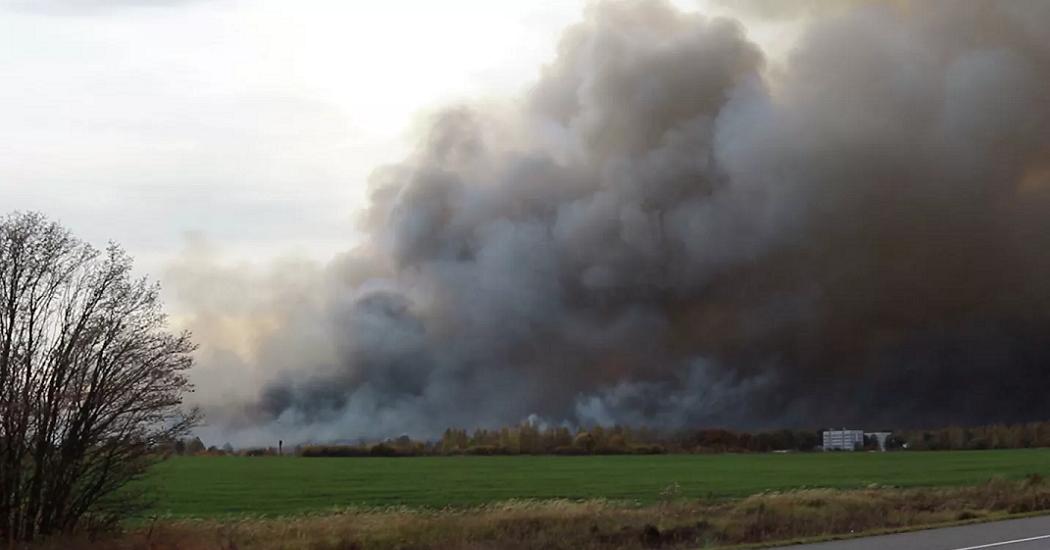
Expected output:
(616, 443)
(807, 440)
(600, 437)
(195, 446)
(584, 441)
(529, 438)
(508, 440)
(561, 436)
(454, 440)
(894, 442)
(382, 449)
(91, 383)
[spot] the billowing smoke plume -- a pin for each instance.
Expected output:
(667, 232)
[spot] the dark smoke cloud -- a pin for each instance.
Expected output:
(662, 233)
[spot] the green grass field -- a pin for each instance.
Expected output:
(223, 486)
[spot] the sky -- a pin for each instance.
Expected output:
(251, 125)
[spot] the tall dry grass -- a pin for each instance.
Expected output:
(598, 525)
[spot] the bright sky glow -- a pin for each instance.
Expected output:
(252, 123)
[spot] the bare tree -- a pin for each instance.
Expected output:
(91, 383)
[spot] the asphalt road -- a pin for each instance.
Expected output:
(1015, 534)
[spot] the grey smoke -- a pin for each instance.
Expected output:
(663, 232)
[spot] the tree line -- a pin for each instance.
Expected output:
(996, 436)
(530, 439)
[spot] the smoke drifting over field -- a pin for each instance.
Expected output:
(663, 232)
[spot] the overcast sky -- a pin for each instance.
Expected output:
(250, 123)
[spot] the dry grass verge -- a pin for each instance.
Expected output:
(598, 525)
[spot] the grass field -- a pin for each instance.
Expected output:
(224, 486)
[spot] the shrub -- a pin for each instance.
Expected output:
(382, 449)
(313, 451)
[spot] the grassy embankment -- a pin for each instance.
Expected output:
(210, 487)
(766, 518)
(600, 503)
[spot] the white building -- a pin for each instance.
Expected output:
(843, 440)
(851, 440)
